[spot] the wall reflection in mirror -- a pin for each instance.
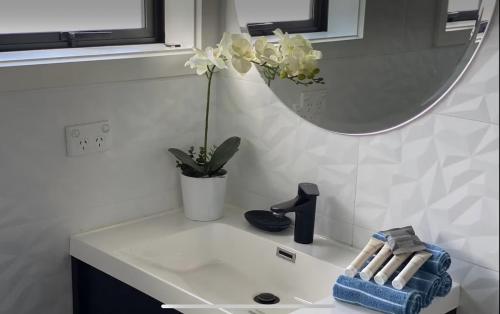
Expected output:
(385, 62)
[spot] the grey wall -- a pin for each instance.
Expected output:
(439, 173)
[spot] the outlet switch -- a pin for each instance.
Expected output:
(88, 138)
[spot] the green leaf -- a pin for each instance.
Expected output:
(220, 173)
(189, 172)
(187, 162)
(223, 154)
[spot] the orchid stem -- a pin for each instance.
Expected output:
(210, 75)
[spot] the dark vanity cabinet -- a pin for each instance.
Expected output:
(95, 292)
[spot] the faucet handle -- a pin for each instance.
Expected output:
(308, 190)
(285, 207)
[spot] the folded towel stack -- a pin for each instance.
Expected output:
(419, 293)
(431, 281)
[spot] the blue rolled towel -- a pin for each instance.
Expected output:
(426, 283)
(383, 299)
(438, 264)
(446, 285)
(431, 285)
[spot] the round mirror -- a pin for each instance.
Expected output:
(385, 62)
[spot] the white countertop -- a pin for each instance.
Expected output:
(98, 249)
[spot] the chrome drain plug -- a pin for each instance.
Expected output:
(267, 299)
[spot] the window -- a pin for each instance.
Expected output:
(33, 24)
(300, 16)
(462, 14)
(456, 22)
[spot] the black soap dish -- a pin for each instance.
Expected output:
(267, 221)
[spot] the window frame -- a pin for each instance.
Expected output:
(153, 32)
(318, 22)
(463, 16)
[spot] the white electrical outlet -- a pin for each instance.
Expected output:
(88, 138)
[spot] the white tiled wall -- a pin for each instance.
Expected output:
(439, 174)
(45, 196)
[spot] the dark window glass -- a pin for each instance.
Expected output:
(150, 29)
(318, 22)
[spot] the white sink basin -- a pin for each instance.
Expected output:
(177, 261)
(225, 265)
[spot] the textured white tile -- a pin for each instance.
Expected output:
(477, 96)
(440, 171)
(480, 292)
(241, 195)
(45, 196)
(361, 237)
(334, 229)
(280, 151)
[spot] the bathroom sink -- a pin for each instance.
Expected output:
(221, 264)
(180, 262)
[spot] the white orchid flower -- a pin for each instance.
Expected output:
(238, 49)
(216, 57)
(199, 62)
(203, 60)
(301, 65)
(290, 44)
(300, 60)
(293, 57)
(267, 53)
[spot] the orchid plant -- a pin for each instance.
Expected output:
(292, 58)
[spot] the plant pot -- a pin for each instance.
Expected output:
(203, 198)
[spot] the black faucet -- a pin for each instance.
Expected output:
(304, 207)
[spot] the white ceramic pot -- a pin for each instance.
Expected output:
(203, 198)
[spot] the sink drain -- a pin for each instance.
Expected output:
(267, 299)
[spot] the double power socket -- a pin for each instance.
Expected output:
(90, 138)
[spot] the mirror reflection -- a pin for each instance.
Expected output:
(385, 62)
